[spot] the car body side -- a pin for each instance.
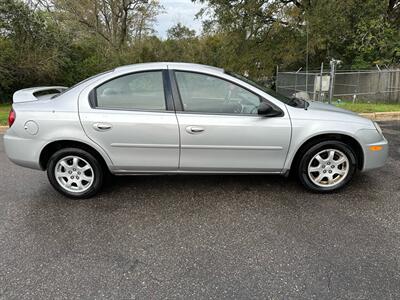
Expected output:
(59, 120)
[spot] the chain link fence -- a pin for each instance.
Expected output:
(374, 86)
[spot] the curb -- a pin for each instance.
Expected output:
(383, 116)
(378, 116)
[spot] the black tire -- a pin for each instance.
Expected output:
(314, 150)
(98, 172)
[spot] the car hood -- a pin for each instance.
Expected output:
(324, 107)
(321, 112)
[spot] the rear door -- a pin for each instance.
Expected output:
(130, 118)
(221, 130)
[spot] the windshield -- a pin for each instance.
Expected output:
(289, 101)
(80, 82)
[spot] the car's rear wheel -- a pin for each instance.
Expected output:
(327, 166)
(75, 173)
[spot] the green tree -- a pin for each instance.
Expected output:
(118, 22)
(32, 47)
(359, 32)
(181, 44)
(180, 32)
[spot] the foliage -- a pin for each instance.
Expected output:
(118, 23)
(4, 111)
(361, 107)
(45, 42)
(32, 47)
(361, 33)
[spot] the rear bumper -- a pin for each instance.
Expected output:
(375, 159)
(21, 151)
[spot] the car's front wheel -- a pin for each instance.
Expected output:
(327, 166)
(75, 173)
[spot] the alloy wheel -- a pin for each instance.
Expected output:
(328, 168)
(74, 174)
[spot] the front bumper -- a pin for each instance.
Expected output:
(375, 158)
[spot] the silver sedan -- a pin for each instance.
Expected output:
(176, 118)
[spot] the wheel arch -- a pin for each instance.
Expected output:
(54, 146)
(347, 139)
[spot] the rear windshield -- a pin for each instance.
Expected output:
(81, 82)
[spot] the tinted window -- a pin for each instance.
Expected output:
(289, 101)
(135, 91)
(209, 94)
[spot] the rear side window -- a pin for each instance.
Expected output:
(139, 91)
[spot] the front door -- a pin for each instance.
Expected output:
(221, 130)
(129, 119)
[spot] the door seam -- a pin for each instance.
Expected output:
(176, 117)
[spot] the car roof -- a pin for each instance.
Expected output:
(169, 65)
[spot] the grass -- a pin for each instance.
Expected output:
(369, 107)
(356, 107)
(4, 110)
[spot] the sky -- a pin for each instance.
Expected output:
(175, 11)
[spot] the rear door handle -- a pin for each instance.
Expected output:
(101, 126)
(194, 129)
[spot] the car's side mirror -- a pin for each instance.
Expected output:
(267, 110)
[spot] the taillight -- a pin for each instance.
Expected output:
(11, 117)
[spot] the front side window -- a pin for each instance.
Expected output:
(293, 101)
(209, 94)
(139, 91)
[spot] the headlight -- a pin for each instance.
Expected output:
(378, 128)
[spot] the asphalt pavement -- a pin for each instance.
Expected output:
(157, 237)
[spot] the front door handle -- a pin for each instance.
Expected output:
(102, 126)
(194, 129)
